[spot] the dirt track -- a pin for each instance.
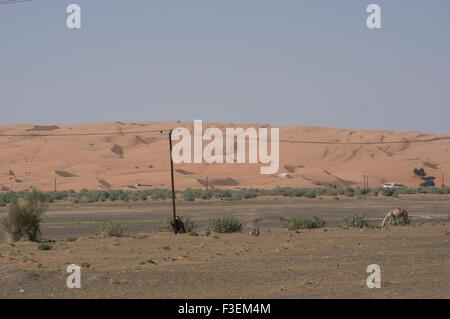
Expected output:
(321, 263)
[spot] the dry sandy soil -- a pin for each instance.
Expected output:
(321, 263)
(123, 159)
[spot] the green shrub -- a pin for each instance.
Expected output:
(302, 222)
(113, 229)
(350, 192)
(225, 225)
(163, 225)
(71, 239)
(158, 193)
(354, 221)
(376, 191)
(388, 192)
(189, 195)
(310, 194)
(193, 233)
(24, 219)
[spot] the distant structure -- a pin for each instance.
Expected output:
(394, 185)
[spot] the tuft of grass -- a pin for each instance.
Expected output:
(303, 222)
(85, 264)
(24, 219)
(225, 225)
(71, 239)
(166, 247)
(163, 225)
(193, 233)
(113, 229)
(354, 221)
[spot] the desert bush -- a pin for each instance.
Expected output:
(302, 222)
(113, 229)
(354, 221)
(248, 193)
(350, 192)
(376, 191)
(310, 193)
(158, 193)
(44, 246)
(361, 191)
(189, 195)
(388, 192)
(71, 239)
(143, 196)
(24, 219)
(163, 225)
(225, 225)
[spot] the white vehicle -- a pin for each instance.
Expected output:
(394, 185)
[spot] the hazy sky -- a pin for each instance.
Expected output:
(286, 62)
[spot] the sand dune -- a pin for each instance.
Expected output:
(135, 153)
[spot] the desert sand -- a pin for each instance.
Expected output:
(136, 153)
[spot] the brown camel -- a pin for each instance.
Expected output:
(395, 214)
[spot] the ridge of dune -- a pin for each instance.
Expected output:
(135, 153)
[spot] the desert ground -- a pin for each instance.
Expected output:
(327, 262)
(121, 154)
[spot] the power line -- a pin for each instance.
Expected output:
(13, 1)
(365, 143)
(82, 134)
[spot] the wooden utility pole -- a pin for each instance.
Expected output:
(443, 183)
(206, 183)
(172, 178)
(55, 185)
(176, 223)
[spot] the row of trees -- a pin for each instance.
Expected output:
(86, 196)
